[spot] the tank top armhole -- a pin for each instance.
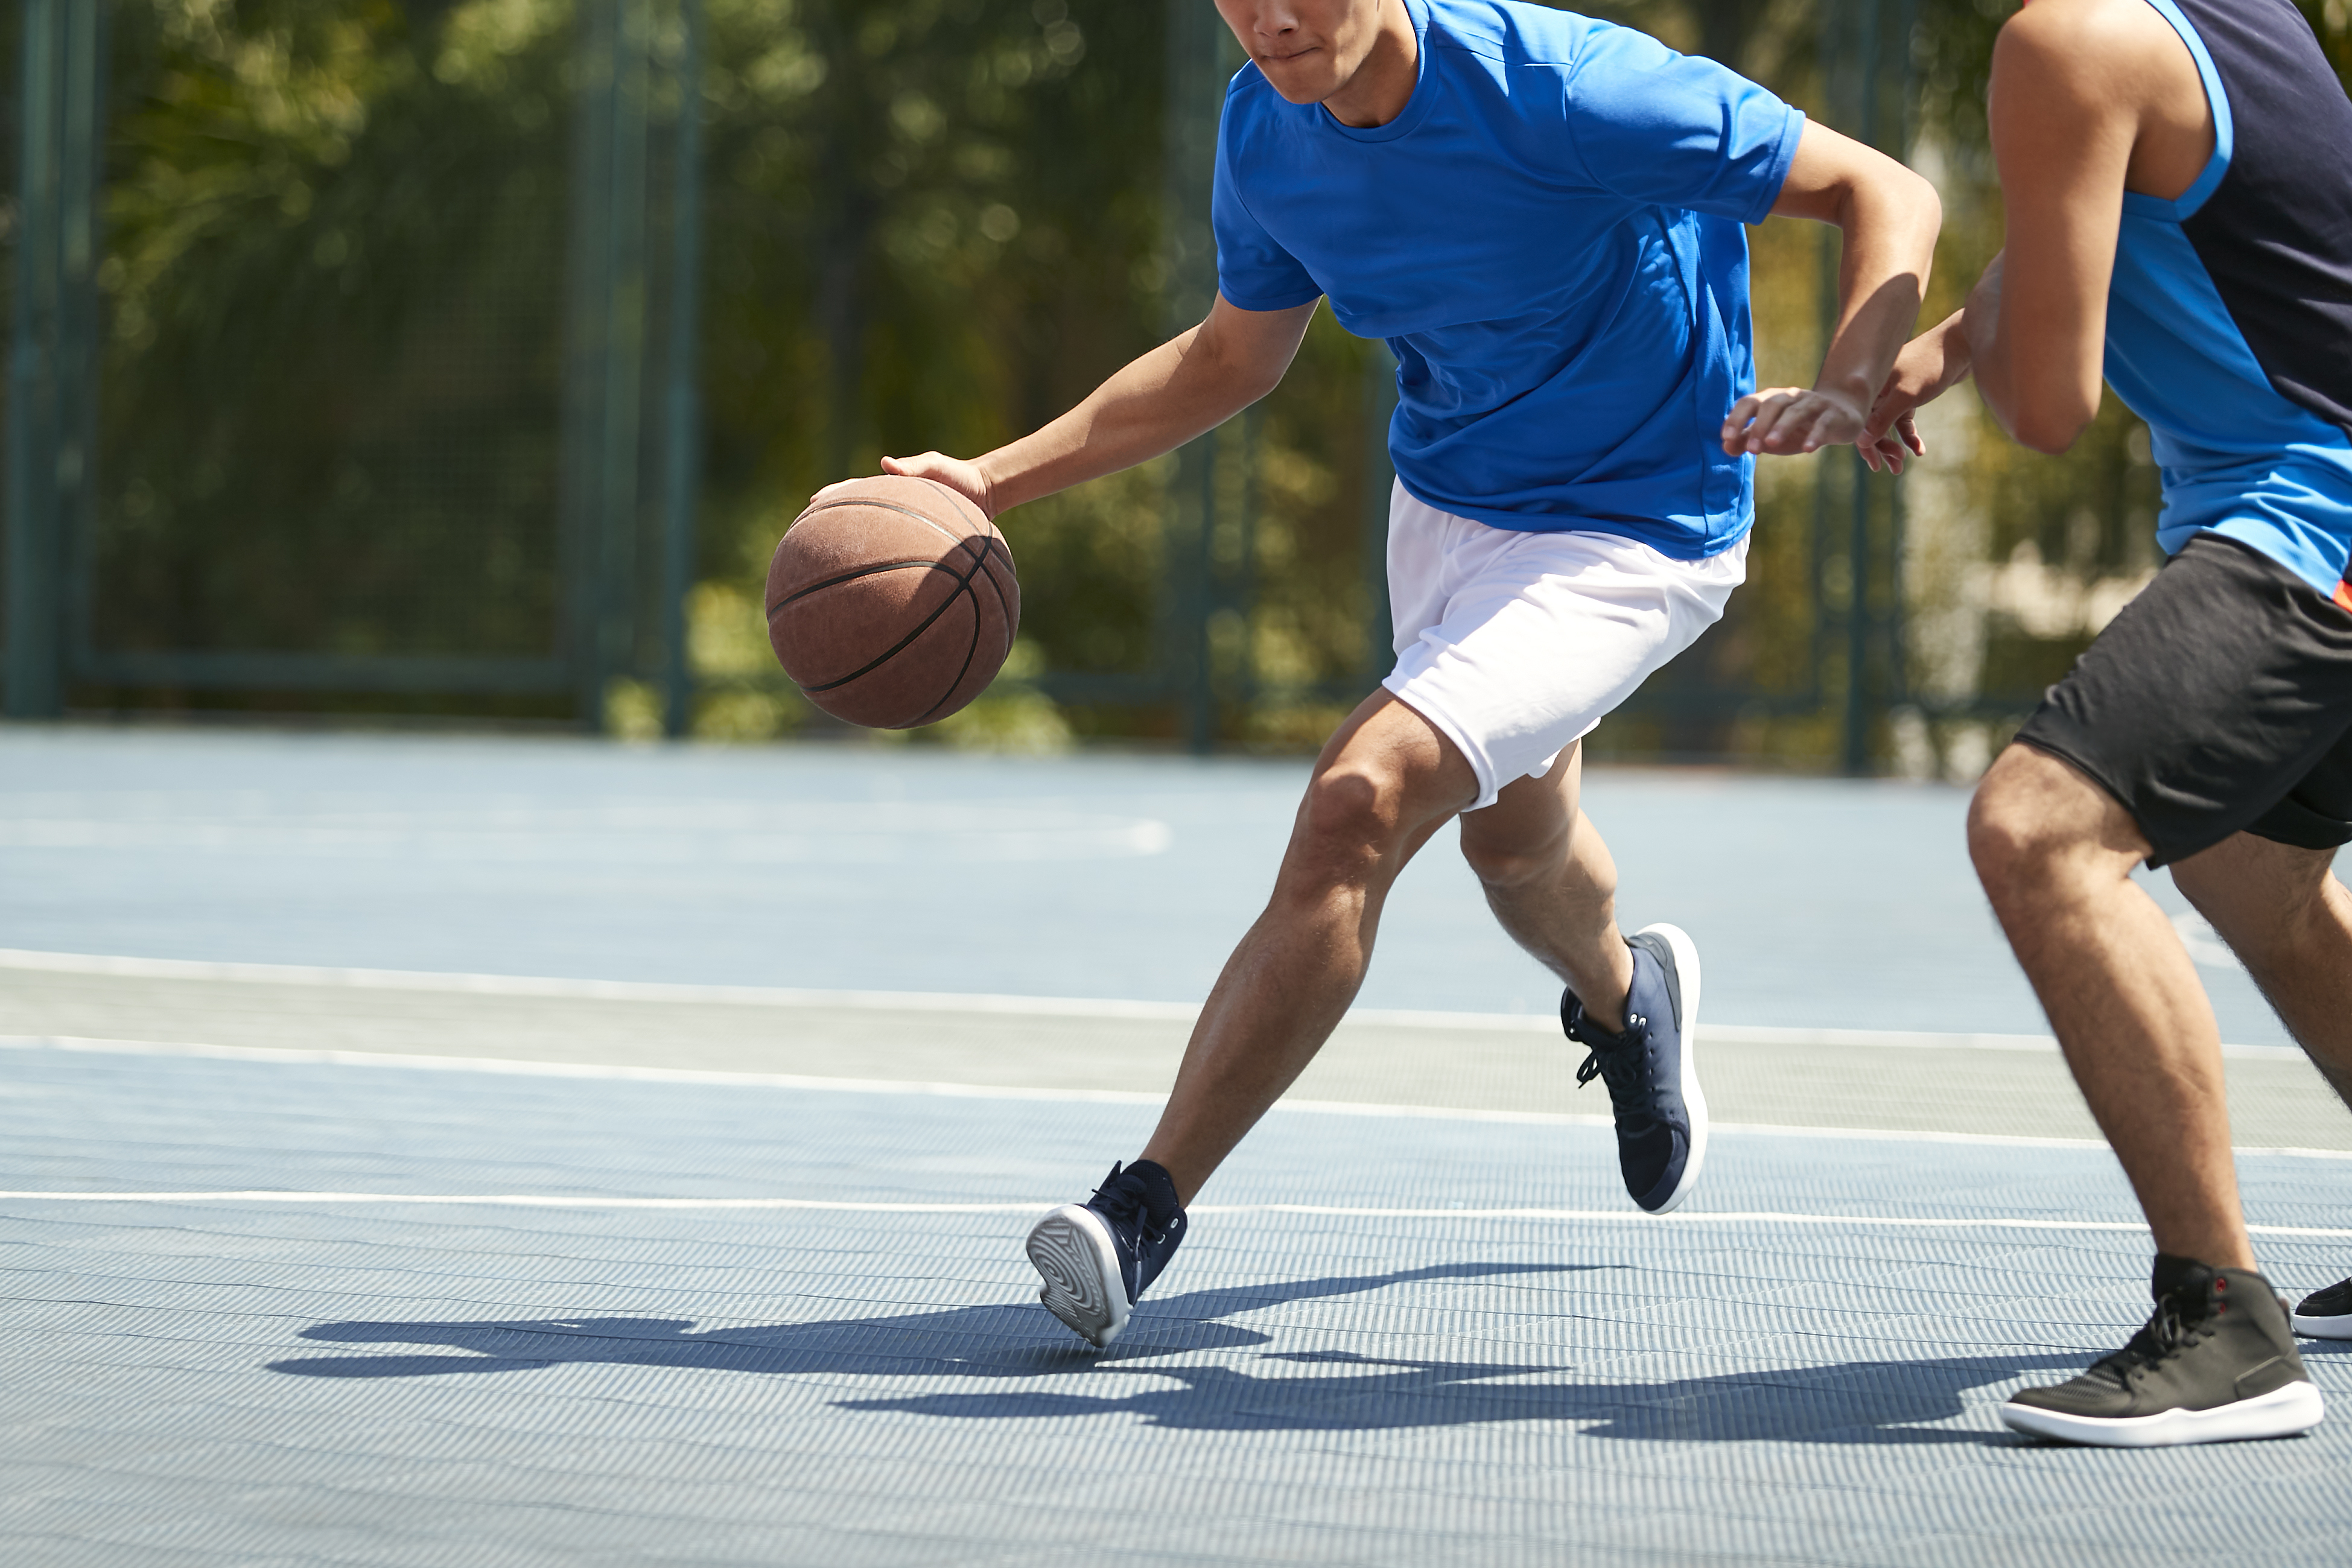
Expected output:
(2183, 208)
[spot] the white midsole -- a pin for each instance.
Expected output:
(1082, 1221)
(1686, 975)
(2281, 1413)
(2337, 1326)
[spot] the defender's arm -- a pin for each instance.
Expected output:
(2089, 98)
(2063, 134)
(1889, 216)
(1194, 383)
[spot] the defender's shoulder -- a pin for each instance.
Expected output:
(2095, 42)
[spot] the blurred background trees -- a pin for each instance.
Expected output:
(329, 415)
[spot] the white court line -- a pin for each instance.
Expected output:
(574, 1069)
(583, 990)
(551, 988)
(1333, 1211)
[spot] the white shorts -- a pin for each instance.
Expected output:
(1514, 645)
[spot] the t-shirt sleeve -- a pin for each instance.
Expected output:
(1254, 271)
(1679, 130)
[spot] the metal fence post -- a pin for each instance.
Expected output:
(1859, 82)
(1380, 481)
(1196, 54)
(681, 429)
(605, 345)
(52, 341)
(1858, 711)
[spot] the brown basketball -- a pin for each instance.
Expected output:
(892, 602)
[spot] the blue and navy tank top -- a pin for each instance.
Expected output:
(2229, 317)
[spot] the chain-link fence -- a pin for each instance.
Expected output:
(462, 357)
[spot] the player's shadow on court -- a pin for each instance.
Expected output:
(1152, 1372)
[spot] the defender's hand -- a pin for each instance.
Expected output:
(1930, 365)
(963, 477)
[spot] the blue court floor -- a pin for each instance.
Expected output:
(308, 1313)
(429, 1273)
(1821, 904)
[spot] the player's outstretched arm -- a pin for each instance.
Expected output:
(1889, 216)
(2088, 98)
(1194, 383)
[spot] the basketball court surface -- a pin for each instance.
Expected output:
(435, 1151)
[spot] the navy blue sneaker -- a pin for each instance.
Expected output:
(1652, 1077)
(1098, 1258)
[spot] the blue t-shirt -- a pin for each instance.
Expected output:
(1549, 237)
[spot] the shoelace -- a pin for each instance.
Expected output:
(1125, 1206)
(1620, 1066)
(2165, 1334)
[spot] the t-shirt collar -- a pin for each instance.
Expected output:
(1416, 107)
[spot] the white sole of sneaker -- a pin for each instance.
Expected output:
(2336, 1327)
(2281, 1413)
(1686, 976)
(1072, 1251)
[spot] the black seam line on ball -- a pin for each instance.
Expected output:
(986, 527)
(931, 523)
(853, 577)
(1011, 620)
(895, 648)
(988, 550)
(969, 654)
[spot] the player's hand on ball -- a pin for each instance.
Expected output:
(957, 475)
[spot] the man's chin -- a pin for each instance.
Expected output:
(1298, 81)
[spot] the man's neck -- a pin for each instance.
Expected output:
(1383, 84)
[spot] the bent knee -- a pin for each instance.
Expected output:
(2012, 835)
(1350, 813)
(2034, 817)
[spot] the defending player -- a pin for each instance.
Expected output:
(2179, 197)
(1543, 214)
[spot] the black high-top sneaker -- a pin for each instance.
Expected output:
(2325, 1314)
(2216, 1361)
(1097, 1258)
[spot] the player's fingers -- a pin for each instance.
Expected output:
(1889, 410)
(1810, 426)
(1734, 423)
(1771, 412)
(1909, 430)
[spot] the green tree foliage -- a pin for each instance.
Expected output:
(329, 387)
(334, 285)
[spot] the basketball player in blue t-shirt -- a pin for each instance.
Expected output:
(2177, 175)
(1543, 214)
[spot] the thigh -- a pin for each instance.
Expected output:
(2251, 888)
(2206, 703)
(1546, 635)
(1529, 811)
